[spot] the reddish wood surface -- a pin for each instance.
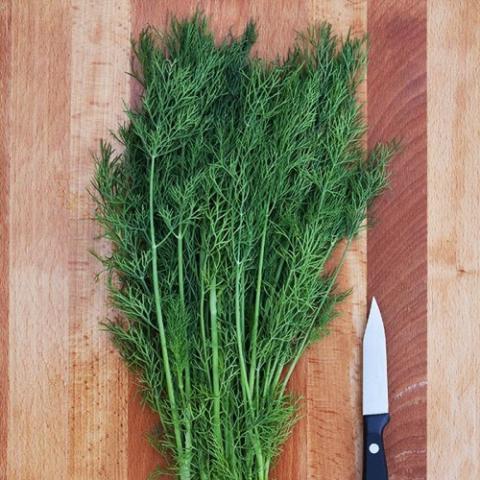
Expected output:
(397, 246)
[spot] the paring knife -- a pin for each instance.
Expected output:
(375, 396)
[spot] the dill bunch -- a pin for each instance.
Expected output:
(237, 180)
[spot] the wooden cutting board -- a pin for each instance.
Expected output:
(68, 408)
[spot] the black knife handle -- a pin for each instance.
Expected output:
(374, 463)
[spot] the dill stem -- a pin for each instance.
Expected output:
(238, 324)
(181, 288)
(271, 380)
(203, 330)
(267, 468)
(253, 360)
(279, 271)
(158, 311)
(243, 373)
(188, 420)
(215, 363)
(267, 378)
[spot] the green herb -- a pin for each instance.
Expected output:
(237, 180)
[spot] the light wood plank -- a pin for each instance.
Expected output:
(38, 241)
(453, 239)
(98, 385)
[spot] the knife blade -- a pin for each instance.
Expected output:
(375, 396)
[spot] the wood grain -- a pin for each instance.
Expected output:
(397, 246)
(98, 387)
(38, 241)
(453, 240)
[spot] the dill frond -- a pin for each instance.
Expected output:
(237, 180)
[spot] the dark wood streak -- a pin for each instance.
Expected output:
(397, 246)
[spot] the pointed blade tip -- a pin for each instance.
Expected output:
(375, 381)
(374, 311)
(374, 304)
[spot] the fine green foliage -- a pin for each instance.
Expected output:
(237, 180)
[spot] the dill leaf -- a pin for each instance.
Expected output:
(237, 180)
